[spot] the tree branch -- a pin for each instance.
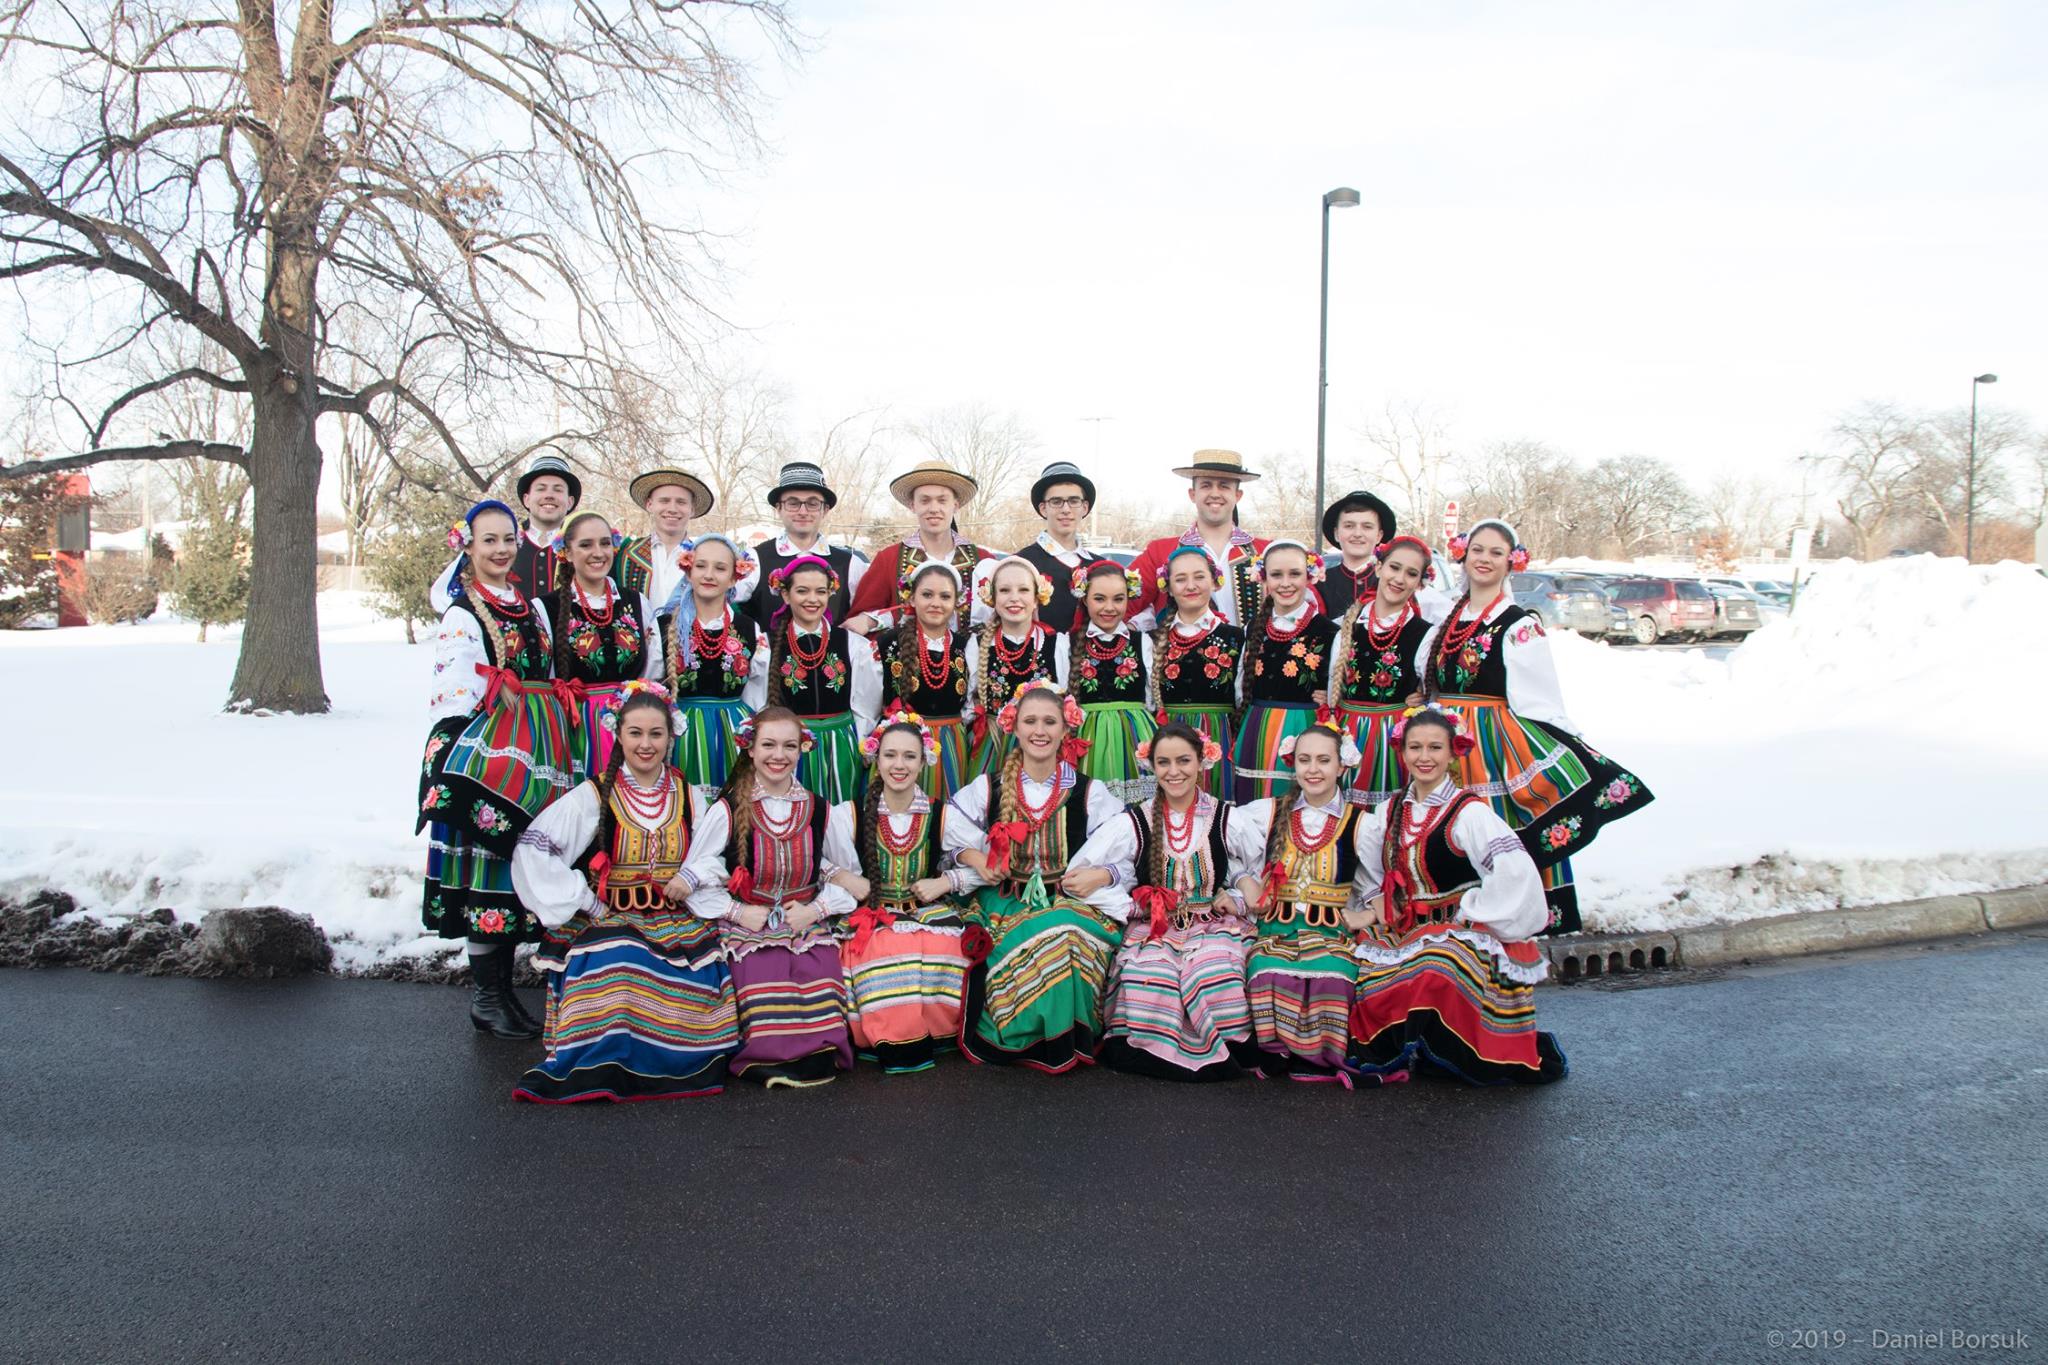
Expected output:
(170, 450)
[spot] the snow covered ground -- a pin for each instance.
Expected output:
(1871, 748)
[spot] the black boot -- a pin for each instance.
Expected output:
(491, 1007)
(512, 999)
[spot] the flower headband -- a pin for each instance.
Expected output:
(463, 532)
(899, 714)
(936, 566)
(1518, 557)
(1070, 710)
(1387, 547)
(1461, 738)
(986, 589)
(1211, 752)
(1078, 581)
(559, 542)
(642, 687)
(743, 561)
(743, 736)
(1166, 569)
(1315, 561)
(779, 580)
(1326, 719)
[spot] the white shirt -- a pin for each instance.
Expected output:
(458, 649)
(838, 853)
(967, 820)
(861, 662)
(543, 861)
(856, 566)
(1508, 902)
(1251, 824)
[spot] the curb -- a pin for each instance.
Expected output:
(1579, 956)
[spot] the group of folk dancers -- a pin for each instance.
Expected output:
(1226, 810)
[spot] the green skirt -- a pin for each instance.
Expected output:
(1114, 730)
(833, 769)
(704, 748)
(1036, 999)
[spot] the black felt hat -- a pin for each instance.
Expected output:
(557, 466)
(802, 474)
(1358, 500)
(1062, 471)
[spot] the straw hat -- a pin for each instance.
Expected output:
(642, 488)
(1225, 462)
(933, 472)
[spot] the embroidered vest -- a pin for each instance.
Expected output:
(643, 859)
(786, 866)
(901, 650)
(1381, 677)
(1062, 607)
(718, 670)
(1118, 677)
(1201, 671)
(1198, 873)
(597, 651)
(821, 689)
(1437, 874)
(513, 642)
(895, 873)
(1480, 667)
(1291, 669)
(1318, 885)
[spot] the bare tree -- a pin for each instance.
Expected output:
(1282, 504)
(1410, 460)
(996, 450)
(468, 176)
(1942, 488)
(854, 452)
(1873, 459)
(1638, 503)
(1534, 488)
(729, 432)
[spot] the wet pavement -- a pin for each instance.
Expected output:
(331, 1170)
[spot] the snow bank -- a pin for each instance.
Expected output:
(1819, 765)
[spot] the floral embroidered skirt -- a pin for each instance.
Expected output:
(1215, 722)
(501, 768)
(639, 1007)
(906, 975)
(791, 994)
(1452, 997)
(467, 892)
(1177, 1002)
(833, 768)
(1300, 984)
(1267, 724)
(1377, 778)
(1035, 999)
(1114, 730)
(704, 749)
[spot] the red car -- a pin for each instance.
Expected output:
(1662, 608)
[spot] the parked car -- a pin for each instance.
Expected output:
(1564, 603)
(1736, 612)
(1621, 627)
(1666, 608)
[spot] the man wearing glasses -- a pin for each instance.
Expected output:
(801, 499)
(1063, 496)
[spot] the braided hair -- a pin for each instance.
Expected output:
(1155, 856)
(1006, 804)
(1162, 633)
(738, 792)
(778, 640)
(907, 632)
(871, 804)
(992, 694)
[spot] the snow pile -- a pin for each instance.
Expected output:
(1821, 764)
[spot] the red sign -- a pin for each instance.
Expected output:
(1450, 518)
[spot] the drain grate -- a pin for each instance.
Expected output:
(1580, 957)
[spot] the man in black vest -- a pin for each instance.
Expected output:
(1063, 497)
(801, 499)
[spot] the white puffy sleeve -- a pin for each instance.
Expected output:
(1369, 841)
(972, 706)
(1114, 845)
(979, 611)
(1533, 689)
(866, 703)
(755, 693)
(543, 870)
(841, 852)
(856, 569)
(1062, 657)
(1244, 838)
(966, 827)
(1433, 602)
(1103, 805)
(458, 649)
(1508, 902)
(710, 828)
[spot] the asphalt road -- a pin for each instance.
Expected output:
(332, 1170)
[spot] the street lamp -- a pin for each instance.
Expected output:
(1341, 199)
(1970, 495)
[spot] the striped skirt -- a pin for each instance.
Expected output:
(1455, 998)
(989, 751)
(468, 891)
(940, 780)
(1377, 778)
(1266, 723)
(833, 769)
(1177, 1003)
(1301, 986)
(704, 749)
(508, 762)
(906, 980)
(597, 728)
(1216, 723)
(1114, 730)
(1036, 1000)
(639, 1007)
(791, 994)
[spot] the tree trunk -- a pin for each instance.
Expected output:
(279, 668)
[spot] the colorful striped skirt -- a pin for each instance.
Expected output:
(1300, 985)
(639, 1007)
(990, 750)
(791, 994)
(1036, 999)
(1453, 997)
(1260, 772)
(507, 763)
(940, 780)
(906, 976)
(833, 768)
(596, 728)
(1377, 778)
(468, 891)
(1114, 730)
(1177, 1003)
(1215, 722)
(704, 749)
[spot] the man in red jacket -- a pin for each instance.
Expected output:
(1216, 480)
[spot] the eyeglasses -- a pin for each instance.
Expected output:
(789, 504)
(1064, 504)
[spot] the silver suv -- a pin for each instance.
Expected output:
(1564, 602)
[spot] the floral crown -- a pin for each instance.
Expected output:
(1518, 557)
(1166, 569)
(1326, 719)
(559, 542)
(1070, 709)
(743, 736)
(463, 532)
(641, 687)
(1211, 753)
(986, 589)
(743, 561)
(1258, 563)
(1461, 736)
(779, 580)
(1387, 547)
(1077, 582)
(899, 714)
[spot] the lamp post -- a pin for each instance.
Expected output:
(1342, 199)
(1970, 483)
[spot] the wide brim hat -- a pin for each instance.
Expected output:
(1225, 462)
(804, 476)
(1061, 471)
(933, 472)
(1358, 500)
(643, 487)
(557, 466)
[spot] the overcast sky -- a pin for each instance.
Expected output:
(1690, 231)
